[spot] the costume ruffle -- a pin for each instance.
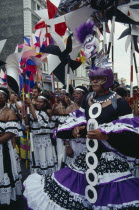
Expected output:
(76, 118)
(120, 125)
(12, 127)
(117, 195)
(60, 120)
(36, 197)
(62, 178)
(57, 197)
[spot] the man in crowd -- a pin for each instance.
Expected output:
(36, 91)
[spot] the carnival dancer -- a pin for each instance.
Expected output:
(117, 153)
(45, 157)
(16, 106)
(10, 172)
(60, 116)
(77, 145)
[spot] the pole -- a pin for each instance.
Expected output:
(104, 35)
(47, 43)
(135, 61)
(68, 77)
(131, 72)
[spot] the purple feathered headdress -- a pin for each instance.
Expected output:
(84, 30)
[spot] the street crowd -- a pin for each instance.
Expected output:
(31, 130)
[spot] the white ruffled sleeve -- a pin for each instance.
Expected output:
(13, 127)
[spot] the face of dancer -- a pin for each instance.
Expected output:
(40, 104)
(35, 93)
(97, 83)
(78, 96)
(13, 97)
(90, 46)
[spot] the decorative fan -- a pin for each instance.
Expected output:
(12, 66)
(63, 59)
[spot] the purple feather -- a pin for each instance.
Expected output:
(84, 30)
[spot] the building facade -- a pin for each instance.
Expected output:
(11, 25)
(30, 7)
(17, 20)
(81, 76)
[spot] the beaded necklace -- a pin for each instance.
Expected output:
(104, 98)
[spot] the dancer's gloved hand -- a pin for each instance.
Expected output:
(76, 132)
(97, 134)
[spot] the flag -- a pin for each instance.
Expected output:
(52, 9)
(40, 24)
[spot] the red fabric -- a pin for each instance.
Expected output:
(59, 28)
(40, 24)
(24, 66)
(51, 9)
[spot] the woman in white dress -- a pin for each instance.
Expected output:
(10, 173)
(77, 145)
(44, 161)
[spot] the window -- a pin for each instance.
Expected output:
(38, 7)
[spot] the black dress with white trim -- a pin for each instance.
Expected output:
(44, 152)
(10, 172)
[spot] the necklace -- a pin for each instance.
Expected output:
(3, 108)
(104, 98)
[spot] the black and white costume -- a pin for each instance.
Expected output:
(10, 172)
(44, 152)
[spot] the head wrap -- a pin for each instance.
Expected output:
(42, 97)
(1, 91)
(81, 88)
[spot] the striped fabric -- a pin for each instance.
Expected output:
(24, 147)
